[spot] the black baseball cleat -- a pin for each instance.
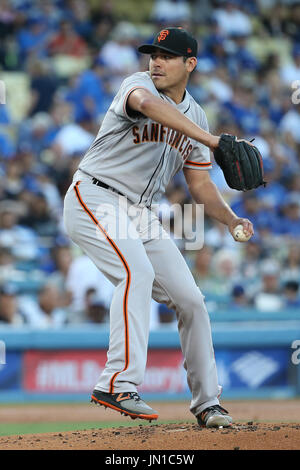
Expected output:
(129, 404)
(214, 417)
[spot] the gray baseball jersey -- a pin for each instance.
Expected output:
(139, 157)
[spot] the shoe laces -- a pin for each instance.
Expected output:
(216, 408)
(213, 408)
(135, 396)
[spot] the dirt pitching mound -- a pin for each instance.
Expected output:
(181, 436)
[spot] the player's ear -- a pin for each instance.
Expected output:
(191, 63)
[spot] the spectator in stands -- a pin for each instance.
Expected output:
(95, 311)
(291, 71)
(218, 85)
(249, 206)
(5, 115)
(238, 299)
(294, 183)
(9, 54)
(50, 14)
(67, 42)
(243, 109)
(241, 58)
(100, 34)
(43, 84)
(32, 39)
(196, 87)
(218, 236)
(290, 123)
(45, 312)
(268, 297)
(62, 257)
(291, 216)
(13, 183)
(232, 20)
(87, 92)
(21, 240)
(274, 18)
(291, 263)
(9, 310)
(44, 183)
(7, 146)
(171, 11)
(65, 173)
(83, 275)
(292, 24)
(202, 269)
(119, 53)
(214, 55)
(38, 217)
(8, 16)
(270, 197)
(81, 17)
(75, 137)
(8, 268)
(252, 255)
(225, 264)
(36, 132)
(291, 294)
(215, 272)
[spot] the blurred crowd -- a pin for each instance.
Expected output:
(61, 63)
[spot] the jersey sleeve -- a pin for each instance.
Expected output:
(199, 158)
(128, 86)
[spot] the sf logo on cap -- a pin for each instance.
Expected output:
(163, 34)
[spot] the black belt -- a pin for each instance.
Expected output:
(105, 186)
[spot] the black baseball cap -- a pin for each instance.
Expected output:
(175, 40)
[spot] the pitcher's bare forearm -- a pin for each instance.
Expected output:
(214, 204)
(164, 113)
(204, 191)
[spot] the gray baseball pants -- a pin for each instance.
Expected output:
(115, 235)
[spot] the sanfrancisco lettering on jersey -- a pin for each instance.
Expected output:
(154, 132)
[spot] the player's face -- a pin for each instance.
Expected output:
(168, 70)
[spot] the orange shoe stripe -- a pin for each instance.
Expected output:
(120, 398)
(128, 273)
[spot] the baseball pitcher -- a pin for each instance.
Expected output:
(152, 130)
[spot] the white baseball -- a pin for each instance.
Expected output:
(239, 234)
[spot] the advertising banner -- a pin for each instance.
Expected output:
(78, 371)
(253, 369)
(62, 371)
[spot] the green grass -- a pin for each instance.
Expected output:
(11, 429)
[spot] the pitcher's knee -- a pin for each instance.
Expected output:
(192, 304)
(143, 274)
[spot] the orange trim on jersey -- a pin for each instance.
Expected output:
(125, 299)
(203, 164)
(127, 96)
